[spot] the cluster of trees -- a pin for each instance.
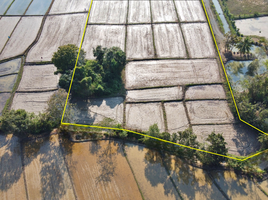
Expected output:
(188, 138)
(98, 77)
(22, 123)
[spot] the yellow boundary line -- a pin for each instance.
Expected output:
(100, 127)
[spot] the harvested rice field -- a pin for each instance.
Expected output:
(3, 98)
(240, 139)
(169, 41)
(190, 11)
(99, 170)
(39, 78)
(150, 173)
(139, 41)
(46, 175)
(7, 25)
(109, 12)
(157, 94)
(207, 112)
(31, 102)
(264, 185)
(96, 110)
(104, 35)
(58, 30)
(163, 11)
(237, 187)
(11, 175)
(38, 7)
(69, 6)
(10, 67)
(145, 74)
(142, 115)
(176, 117)
(18, 7)
(22, 37)
(192, 182)
(7, 82)
(198, 40)
(139, 12)
(205, 92)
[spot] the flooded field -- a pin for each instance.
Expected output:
(10, 67)
(38, 7)
(7, 82)
(18, 7)
(4, 6)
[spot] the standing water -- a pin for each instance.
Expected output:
(220, 12)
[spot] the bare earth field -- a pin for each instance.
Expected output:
(104, 35)
(99, 170)
(22, 37)
(157, 94)
(171, 72)
(69, 6)
(3, 98)
(169, 41)
(12, 66)
(206, 112)
(142, 116)
(108, 12)
(11, 174)
(139, 41)
(139, 12)
(241, 140)
(237, 187)
(58, 30)
(31, 102)
(95, 110)
(176, 117)
(205, 92)
(7, 82)
(46, 175)
(7, 25)
(198, 40)
(193, 183)
(190, 11)
(151, 175)
(39, 78)
(163, 11)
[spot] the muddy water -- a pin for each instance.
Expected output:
(193, 183)
(150, 173)
(99, 170)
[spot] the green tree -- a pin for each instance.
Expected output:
(217, 145)
(155, 132)
(65, 58)
(244, 46)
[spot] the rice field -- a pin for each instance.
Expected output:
(69, 6)
(163, 11)
(58, 30)
(104, 35)
(176, 117)
(4, 6)
(31, 102)
(22, 37)
(18, 7)
(10, 67)
(142, 116)
(139, 12)
(38, 7)
(3, 98)
(145, 74)
(156, 94)
(7, 82)
(205, 92)
(108, 12)
(39, 78)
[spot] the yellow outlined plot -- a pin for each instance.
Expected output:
(92, 126)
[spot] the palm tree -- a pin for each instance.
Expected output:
(244, 46)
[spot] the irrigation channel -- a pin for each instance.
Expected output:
(56, 168)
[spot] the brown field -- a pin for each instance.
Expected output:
(190, 11)
(163, 11)
(205, 92)
(99, 170)
(139, 12)
(151, 175)
(169, 41)
(141, 116)
(46, 174)
(67, 6)
(11, 174)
